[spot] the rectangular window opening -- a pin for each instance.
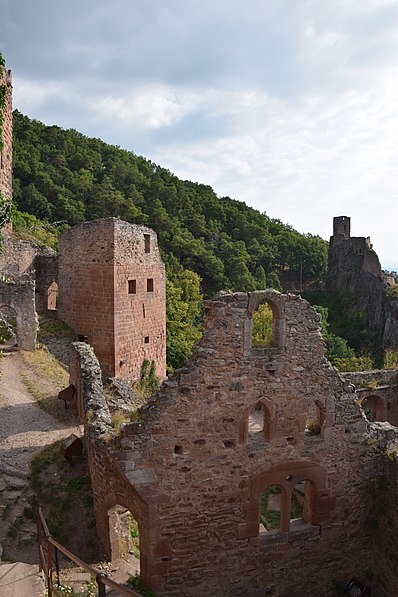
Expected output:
(147, 243)
(149, 285)
(132, 286)
(146, 339)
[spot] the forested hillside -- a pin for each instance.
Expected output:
(61, 175)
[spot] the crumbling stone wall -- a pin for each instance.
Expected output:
(112, 291)
(199, 471)
(6, 137)
(377, 393)
(20, 296)
(21, 257)
(382, 520)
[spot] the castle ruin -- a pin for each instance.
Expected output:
(235, 422)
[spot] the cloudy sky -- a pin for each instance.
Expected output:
(288, 105)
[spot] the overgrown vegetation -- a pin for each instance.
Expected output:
(262, 326)
(349, 346)
(42, 366)
(64, 493)
(64, 176)
(58, 496)
(270, 517)
(149, 382)
(135, 581)
(27, 227)
(54, 328)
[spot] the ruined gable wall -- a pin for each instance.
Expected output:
(86, 286)
(6, 152)
(190, 454)
(140, 317)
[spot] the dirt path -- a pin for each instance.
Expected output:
(25, 429)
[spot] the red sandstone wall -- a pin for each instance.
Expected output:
(140, 316)
(96, 260)
(6, 153)
(85, 284)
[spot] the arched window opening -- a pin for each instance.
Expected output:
(124, 536)
(270, 509)
(259, 423)
(373, 407)
(8, 327)
(315, 423)
(52, 297)
(263, 326)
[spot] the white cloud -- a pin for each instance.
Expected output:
(288, 106)
(150, 106)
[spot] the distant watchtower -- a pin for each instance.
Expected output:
(341, 229)
(6, 135)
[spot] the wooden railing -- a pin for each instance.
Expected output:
(49, 550)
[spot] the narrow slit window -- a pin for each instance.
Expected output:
(149, 285)
(132, 286)
(147, 243)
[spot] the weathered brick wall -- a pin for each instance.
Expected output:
(20, 296)
(111, 484)
(86, 290)
(382, 518)
(96, 261)
(199, 473)
(6, 153)
(377, 392)
(140, 317)
(18, 255)
(38, 261)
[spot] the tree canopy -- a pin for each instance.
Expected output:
(62, 175)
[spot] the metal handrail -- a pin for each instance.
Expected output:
(46, 563)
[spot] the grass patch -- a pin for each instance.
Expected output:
(135, 581)
(44, 377)
(60, 489)
(119, 417)
(54, 328)
(44, 364)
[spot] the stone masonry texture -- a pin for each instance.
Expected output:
(19, 295)
(6, 152)
(191, 472)
(112, 291)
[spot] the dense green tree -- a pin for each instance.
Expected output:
(183, 315)
(63, 175)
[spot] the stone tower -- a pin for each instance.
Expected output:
(341, 229)
(112, 293)
(6, 135)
